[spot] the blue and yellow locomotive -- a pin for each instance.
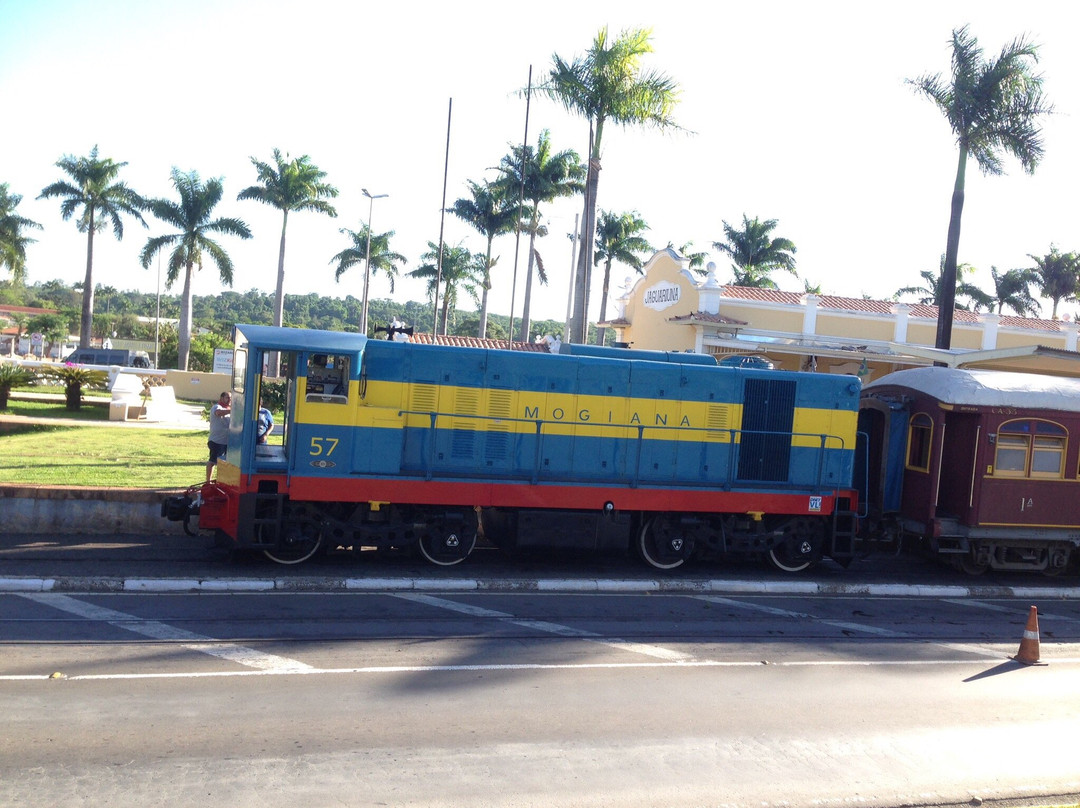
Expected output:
(393, 444)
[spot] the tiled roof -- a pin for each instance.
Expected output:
(767, 295)
(6, 309)
(1010, 321)
(476, 342)
(860, 305)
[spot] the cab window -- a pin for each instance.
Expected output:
(328, 378)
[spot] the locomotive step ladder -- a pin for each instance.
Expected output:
(266, 522)
(843, 543)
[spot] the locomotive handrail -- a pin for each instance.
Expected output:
(733, 438)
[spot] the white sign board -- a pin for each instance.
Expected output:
(223, 360)
(661, 296)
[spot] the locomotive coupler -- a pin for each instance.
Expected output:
(176, 508)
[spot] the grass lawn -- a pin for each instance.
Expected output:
(123, 457)
(102, 456)
(90, 410)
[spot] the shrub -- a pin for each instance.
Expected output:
(274, 396)
(12, 375)
(74, 378)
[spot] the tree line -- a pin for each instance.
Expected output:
(131, 314)
(1056, 275)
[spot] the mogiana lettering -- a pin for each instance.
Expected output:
(586, 416)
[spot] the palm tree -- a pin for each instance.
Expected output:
(93, 189)
(618, 238)
(992, 105)
(289, 185)
(12, 240)
(191, 216)
(607, 84)
(461, 269)
(381, 255)
(491, 213)
(696, 259)
(930, 294)
(755, 254)
(1059, 274)
(548, 176)
(1012, 290)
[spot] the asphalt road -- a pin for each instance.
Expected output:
(574, 682)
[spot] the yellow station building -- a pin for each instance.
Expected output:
(669, 308)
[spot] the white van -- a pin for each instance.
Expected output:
(101, 356)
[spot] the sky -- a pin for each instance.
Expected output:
(791, 111)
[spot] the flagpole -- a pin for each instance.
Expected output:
(442, 222)
(521, 203)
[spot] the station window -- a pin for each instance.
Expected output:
(1030, 448)
(328, 378)
(920, 431)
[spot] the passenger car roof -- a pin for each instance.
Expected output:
(985, 388)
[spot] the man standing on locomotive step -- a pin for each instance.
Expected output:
(219, 431)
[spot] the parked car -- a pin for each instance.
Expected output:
(101, 356)
(746, 361)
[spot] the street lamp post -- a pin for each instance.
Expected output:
(367, 260)
(157, 318)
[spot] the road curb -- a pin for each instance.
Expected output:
(101, 585)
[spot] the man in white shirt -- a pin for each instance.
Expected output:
(219, 431)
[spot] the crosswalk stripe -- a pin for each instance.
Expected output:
(242, 655)
(548, 627)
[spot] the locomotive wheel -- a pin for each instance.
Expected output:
(445, 546)
(787, 559)
(800, 547)
(967, 563)
(663, 546)
(297, 544)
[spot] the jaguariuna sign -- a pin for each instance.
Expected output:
(661, 296)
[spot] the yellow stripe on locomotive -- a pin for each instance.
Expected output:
(566, 414)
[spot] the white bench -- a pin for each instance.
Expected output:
(162, 405)
(126, 391)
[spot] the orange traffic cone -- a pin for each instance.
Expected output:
(1029, 644)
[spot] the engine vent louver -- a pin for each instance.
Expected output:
(767, 421)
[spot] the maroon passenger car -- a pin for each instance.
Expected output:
(980, 466)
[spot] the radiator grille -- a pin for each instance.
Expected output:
(768, 417)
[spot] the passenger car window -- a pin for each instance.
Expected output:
(1030, 448)
(920, 431)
